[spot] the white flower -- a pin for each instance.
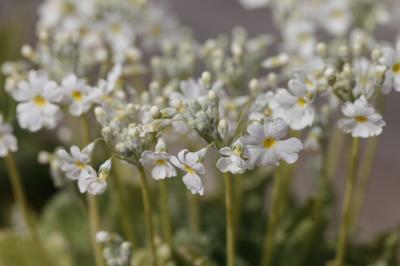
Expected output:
(296, 105)
(253, 4)
(190, 163)
(78, 93)
(76, 164)
(95, 184)
(364, 77)
(362, 119)
(263, 145)
(37, 98)
(265, 106)
(161, 168)
(233, 161)
(391, 59)
(8, 142)
(336, 16)
(276, 61)
(299, 37)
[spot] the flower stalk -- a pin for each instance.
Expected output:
(94, 221)
(273, 216)
(121, 199)
(165, 212)
(148, 216)
(21, 201)
(230, 221)
(365, 171)
(347, 204)
(193, 210)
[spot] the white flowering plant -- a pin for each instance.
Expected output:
(164, 150)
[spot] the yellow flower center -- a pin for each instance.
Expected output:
(188, 169)
(338, 13)
(80, 165)
(269, 142)
(39, 101)
(301, 102)
(160, 162)
(304, 37)
(396, 68)
(68, 8)
(267, 111)
(77, 95)
(156, 30)
(116, 28)
(361, 119)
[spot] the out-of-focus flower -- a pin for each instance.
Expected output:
(8, 142)
(336, 16)
(264, 145)
(364, 77)
(78, 94)
(296, 105)
(76, 163)
(391, 59)
(158, 160)
(37, 98)
(299, 37)
(232, 160)
(253, 4)
(362, 119)
(95, 184)
(190, 163)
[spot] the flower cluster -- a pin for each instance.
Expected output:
(249, 110)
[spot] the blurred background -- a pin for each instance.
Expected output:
(206, 18)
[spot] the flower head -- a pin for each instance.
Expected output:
(76, 163)
(190, 163)
(8, 142)
(95, 184)
(37, 98)
(232, 160)
(78, 94)
(296, 105)
(264, 145)
(159, 161)
(362, 120)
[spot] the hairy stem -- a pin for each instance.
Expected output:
(122, 212)
(230, 224)
(362, 185)
(21, 201)
(165, 212)
(273, 216)
(94, 221)
(148, 214)
(193, 211)
(346, 210)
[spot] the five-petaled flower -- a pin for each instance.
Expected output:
(265, 147)
(190, 163)
(363, 121)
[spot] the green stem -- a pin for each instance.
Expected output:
(238, 203)
(20, 198)
(123, 209)
(346, 210)
(148, 216)
(362, 185)
(335, 147)
(193, 210)
(230, 225)
(165, 212)
(273, 216)
(94, 222)
(94, 227)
